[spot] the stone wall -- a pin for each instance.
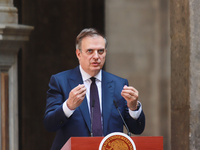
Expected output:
(138, 49)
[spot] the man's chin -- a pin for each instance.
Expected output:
(95, 70)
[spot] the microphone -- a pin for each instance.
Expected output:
(116, 106)
(92, 110)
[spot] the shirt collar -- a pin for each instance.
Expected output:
(86, 76)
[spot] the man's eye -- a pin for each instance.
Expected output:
(101, 51)
(89, 51)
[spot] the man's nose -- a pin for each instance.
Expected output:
(96, 54)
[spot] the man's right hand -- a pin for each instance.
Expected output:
(76, 96)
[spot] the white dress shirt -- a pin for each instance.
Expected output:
(86, 81)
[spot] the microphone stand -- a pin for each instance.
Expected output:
(116, 106)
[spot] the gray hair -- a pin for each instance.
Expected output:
(88, 32)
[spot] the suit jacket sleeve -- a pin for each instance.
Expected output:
(54, 116)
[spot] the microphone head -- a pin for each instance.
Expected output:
(115, 103)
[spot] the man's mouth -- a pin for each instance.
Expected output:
(95, 63)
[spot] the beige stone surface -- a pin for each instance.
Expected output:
(138, 50)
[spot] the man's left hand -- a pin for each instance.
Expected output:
(130, 94)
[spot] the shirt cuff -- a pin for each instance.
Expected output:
(136, 113)
(68, 112)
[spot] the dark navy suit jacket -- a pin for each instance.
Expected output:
(79, 123)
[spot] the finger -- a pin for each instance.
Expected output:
(125, 95)
(131, 92)
(82, 90)
(78, 89)
(129, 88)
(128, 96)
(82, 95)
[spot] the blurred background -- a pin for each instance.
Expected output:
(138, 49)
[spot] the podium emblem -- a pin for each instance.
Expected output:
(117, 141)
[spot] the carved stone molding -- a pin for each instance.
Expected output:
(12, 38)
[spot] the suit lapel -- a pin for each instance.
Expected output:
(107, 100)
(85, 113)
(74, 81)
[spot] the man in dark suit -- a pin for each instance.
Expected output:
(70, 106)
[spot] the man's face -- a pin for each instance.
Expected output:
(92, 54)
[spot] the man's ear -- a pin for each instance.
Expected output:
(78, 53)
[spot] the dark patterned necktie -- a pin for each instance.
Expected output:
(95, 109)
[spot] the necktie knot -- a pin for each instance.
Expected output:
(93, 79)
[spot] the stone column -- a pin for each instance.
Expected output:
(185, 74)
(12, 37)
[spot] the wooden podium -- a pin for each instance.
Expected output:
(92, 143)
